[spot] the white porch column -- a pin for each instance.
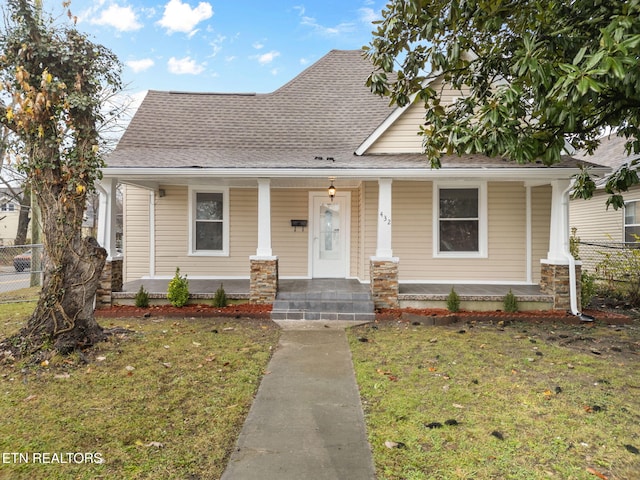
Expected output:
(264, 218)
(383, 247)
(107, 216)
(559, 228)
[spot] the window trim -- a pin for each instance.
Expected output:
(193, 191)
(482, 219)
(624, 219)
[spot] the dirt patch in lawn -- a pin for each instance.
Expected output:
(611, 333)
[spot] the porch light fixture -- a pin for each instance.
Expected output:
(331, 190)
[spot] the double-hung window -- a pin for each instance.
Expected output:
(460, 214)
(632, 221)
(209, 222)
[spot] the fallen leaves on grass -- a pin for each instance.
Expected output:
(593, 471)
(390, 444)
(632, 449)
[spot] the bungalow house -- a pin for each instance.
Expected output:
(322, 179)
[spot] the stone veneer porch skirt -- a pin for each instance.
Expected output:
(238, 289)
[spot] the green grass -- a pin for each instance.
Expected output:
(165, 401)
(502, 381)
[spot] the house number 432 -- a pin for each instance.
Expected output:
(386, 219)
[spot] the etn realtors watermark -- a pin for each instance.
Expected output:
(51, 457)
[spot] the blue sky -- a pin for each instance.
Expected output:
(221, 45)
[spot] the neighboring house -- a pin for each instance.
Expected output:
(591, 218)
(9, 217)
(236, 186)
(608, 237)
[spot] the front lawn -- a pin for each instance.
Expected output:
(494, 401)
(163, 398)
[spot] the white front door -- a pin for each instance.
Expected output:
(329, 235)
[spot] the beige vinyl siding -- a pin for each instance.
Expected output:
(172, 235)
(370, 227)
(412, 240)
(594, 222)
(355, 233)
(290, 247)
(403, 136)
(540, 224)
(412, 234)
(135, 226)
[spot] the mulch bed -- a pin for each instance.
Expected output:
(235, 311)
(433, 316)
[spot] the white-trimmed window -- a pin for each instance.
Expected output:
(632, 221)
(460, 226)
(208, 222)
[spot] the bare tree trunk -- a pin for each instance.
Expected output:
(23, 219)
(64, 316)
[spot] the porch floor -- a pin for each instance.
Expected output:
(238, 289)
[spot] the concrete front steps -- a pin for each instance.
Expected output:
(323, 305)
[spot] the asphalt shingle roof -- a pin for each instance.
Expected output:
(326, 111)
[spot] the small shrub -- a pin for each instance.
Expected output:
(453, 301)
(142, 298)
(220, 299)
(510, 302)
(588, 288)
(178, 290)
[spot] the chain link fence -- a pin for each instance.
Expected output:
(614, 265)
(20, 272)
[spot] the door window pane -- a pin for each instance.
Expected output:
(329, 231)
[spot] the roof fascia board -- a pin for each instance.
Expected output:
(139, 175)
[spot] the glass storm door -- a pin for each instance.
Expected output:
(329, 237)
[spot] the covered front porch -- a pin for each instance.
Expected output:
(373, 245)
(476, 297)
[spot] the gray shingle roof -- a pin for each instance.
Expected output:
(610, 153)
(326, 111)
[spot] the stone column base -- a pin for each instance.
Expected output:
(264, 280)
(384, 282)
(110, 281)
(554, 280)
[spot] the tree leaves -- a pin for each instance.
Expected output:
(530, 77)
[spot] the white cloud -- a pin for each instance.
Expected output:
(216, 44)
(184, 66)
(327, 31)
(140, 65)
(266, 58)
(123, 19)
(258, 45)
(180, 17)
(369, 15)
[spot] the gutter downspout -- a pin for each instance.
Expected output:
(573, 289)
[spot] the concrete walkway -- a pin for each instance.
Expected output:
(306, 421)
